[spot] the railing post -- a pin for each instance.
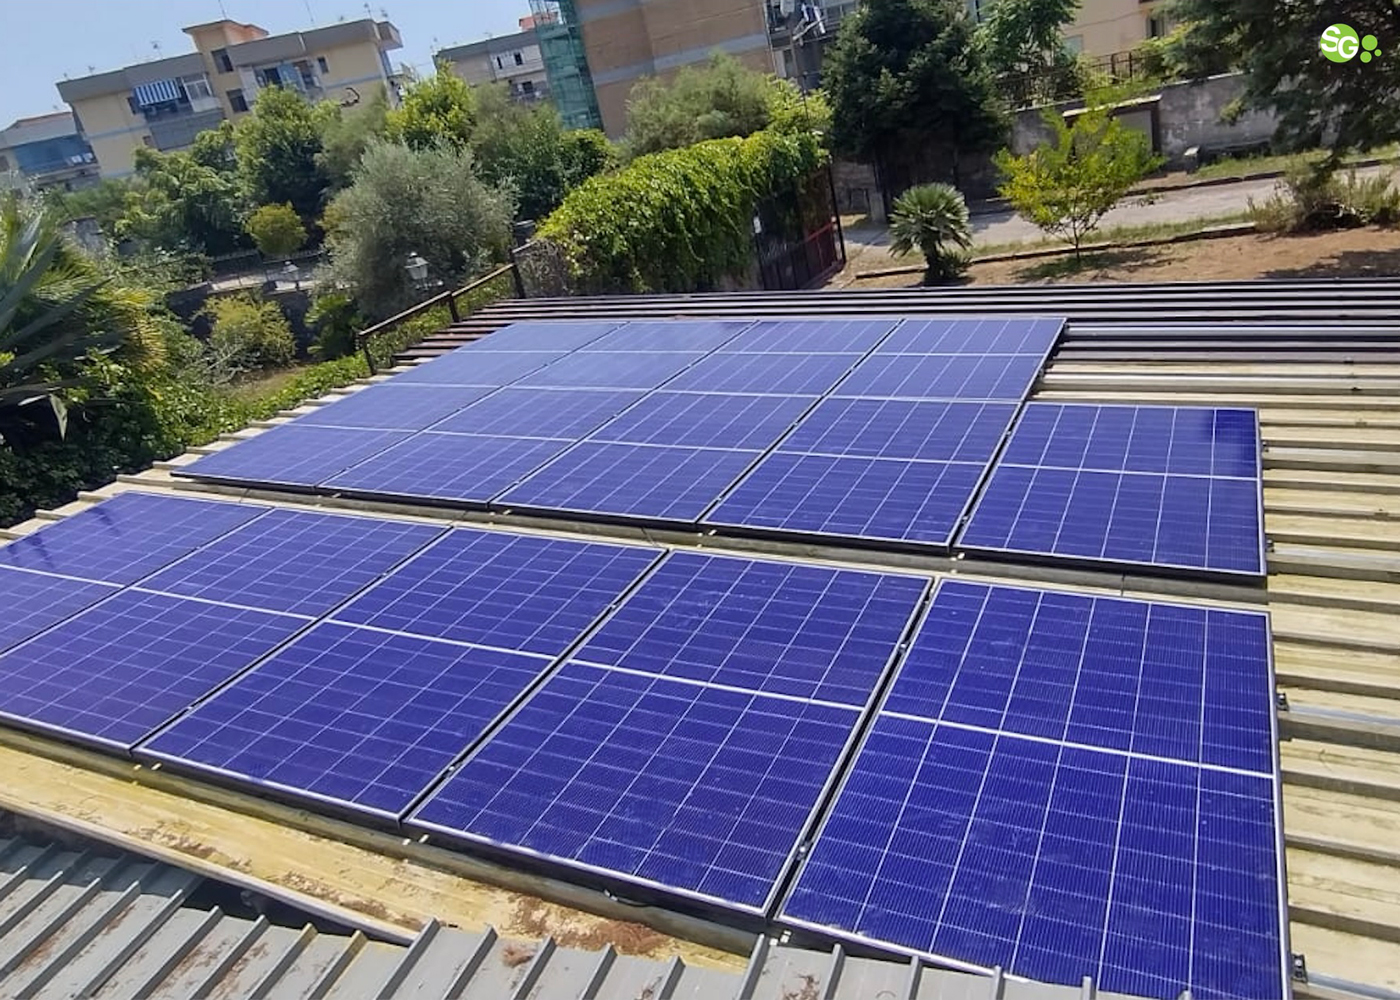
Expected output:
(369, 358)
(452, 307)
(518, 278)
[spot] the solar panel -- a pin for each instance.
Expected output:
(36, 601)
(519, 592)
(544, 413)
(294, 561)
(705, 420)
(393, 406)
(898, 428)
(674, 335)
(1063, 785)
(777, 628)
(974, 335)
(855, 498)
(354, 717)
(628, 480)
(612, 370)
(765, 374)
(471, 366)
(1135, 493)
(556, 336)
(293, 454)
(122, 668)
(126, 537)
(467, 468)
(691, 790)
(943, 376)
(811, 336)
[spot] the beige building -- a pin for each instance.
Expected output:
(514, 60)
(1104, 28)
(627, 40)
(165, 103)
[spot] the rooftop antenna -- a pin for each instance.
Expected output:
(156, 47)
(310, 16)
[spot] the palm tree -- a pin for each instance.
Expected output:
(46, 324)
(933, 220)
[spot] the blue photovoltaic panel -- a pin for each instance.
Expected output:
(765, 374)
(542, 335)
(471, 366)
(542, 413)
(293, 454)
(705, 420)
(675, 335)
(1053, 863)
(644, 481)
(352, 716)
(294, 561)
(127, 537)
(35, 601)
(991, 335)
(811, 336)
(612, 370)
(1161, 680)
(463, 467)
(944, 376)
(1195, 441)
(394, 406)
(690, 789)
(491, 588)
(119, 670)
(770, 627)
(867, 498)
(902, 428)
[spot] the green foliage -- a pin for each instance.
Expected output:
(178, 202)
(105, 202)
(720, 99)
(678, 220)
(1351, 106)
(345, 132)
(250, 333)
(1311, 196)
(909, 90)
(437, 109)
(277, 230)
(407, 201)
(277, 148)
(1066, 186)
(1024, 36)
(933, 220)
(337, 319)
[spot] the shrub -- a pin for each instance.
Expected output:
(1373, 200)
(337, 319)
(1311, 197)
(251, 333)
(933, 220)
(277, 230)
(680, 220)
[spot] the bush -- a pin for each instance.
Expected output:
(251, 333)
(277, 230)
(1373, 200)
(933, 220)
(1311, 197)
(679, 220)
(337, 319)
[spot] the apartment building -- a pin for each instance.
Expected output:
(514, 60)
(45, 151)
(163, 104)
(1104, 28)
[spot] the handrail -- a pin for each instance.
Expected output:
(364, 337)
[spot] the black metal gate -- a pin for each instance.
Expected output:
(798, 240)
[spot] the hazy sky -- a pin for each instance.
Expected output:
(48, 39)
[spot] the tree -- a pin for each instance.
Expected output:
(1066, 186)
(933, 220)
(250, 333)
(344, 134)
(909, 91)
(1346, 105)
(437, 109)
(1022, 41)
(406, 201)
(105, 202)
(277, 230)
(178, 202)
(276, 147)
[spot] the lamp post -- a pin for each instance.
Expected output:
(417, 269)
(292, 273)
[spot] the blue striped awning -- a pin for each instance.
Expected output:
(156, 92)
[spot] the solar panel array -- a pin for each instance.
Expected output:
(893, 425)
(1066, 786)
(1149, 485)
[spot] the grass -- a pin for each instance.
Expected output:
(1244, 166)
(1117, 234)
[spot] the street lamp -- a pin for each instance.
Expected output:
(292, 273)
(417, 269)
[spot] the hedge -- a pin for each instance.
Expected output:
(679, 220)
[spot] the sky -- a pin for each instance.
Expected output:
(59, 38)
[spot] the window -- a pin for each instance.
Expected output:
(519, 59)
(527, 87)
(500, 64)
(148, 142)
(1075, 44)
(321, 63)
(197, 87)
(221, 61)
(237, 101)
(1156, 27)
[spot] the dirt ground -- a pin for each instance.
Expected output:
(1352, 253)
